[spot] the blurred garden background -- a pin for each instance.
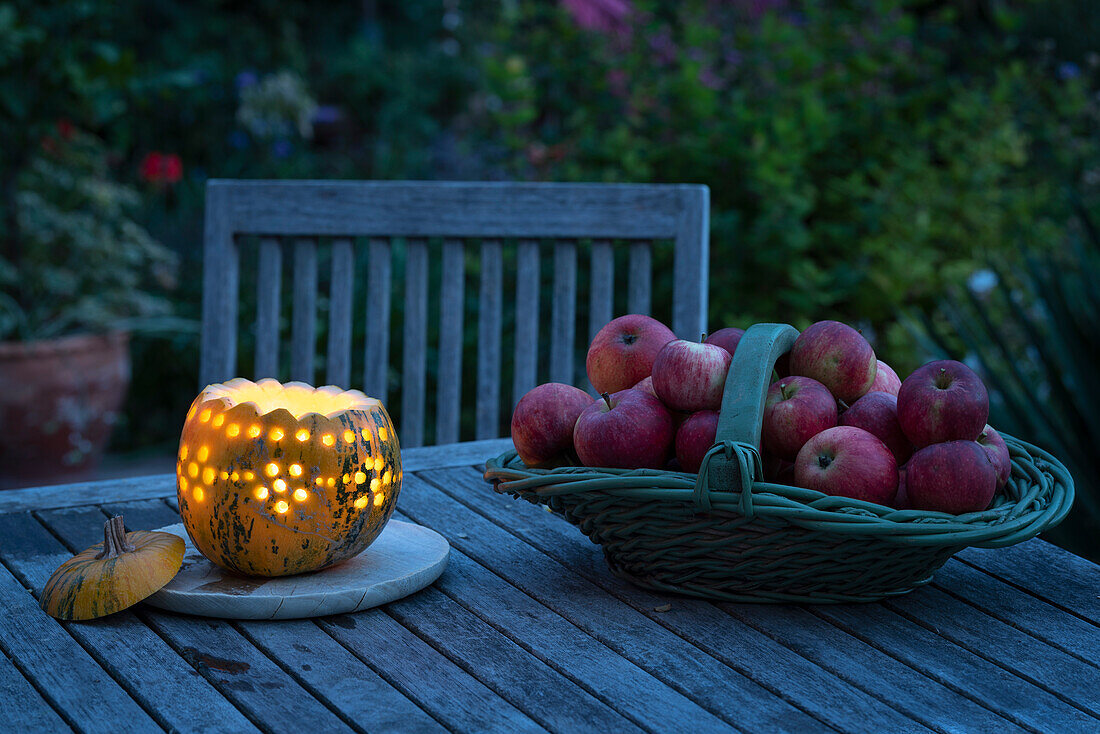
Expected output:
(927, 170)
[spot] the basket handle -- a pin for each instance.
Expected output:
(734, 462)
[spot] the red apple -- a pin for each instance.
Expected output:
(628, 430)
(796, 409)
(901, 500)
(622, 353)
(886, 380)
(953, 477)
(691, 376)
(837, 356)
(647, 385)
(849, 462)
(543, 421)
(727, 338)
(877, 413)
(942, 401)
(694, 438)
(995, 446)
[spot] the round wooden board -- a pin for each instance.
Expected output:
(403, 559)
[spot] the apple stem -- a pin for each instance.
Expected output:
(702, 337)
(607, 399)
(824, 461)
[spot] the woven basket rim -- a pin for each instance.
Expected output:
(1037, 497)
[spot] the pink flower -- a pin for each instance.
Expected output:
(158, 168)
(605, 16)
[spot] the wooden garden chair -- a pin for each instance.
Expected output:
(406, 218)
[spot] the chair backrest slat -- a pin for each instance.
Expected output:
(563, 312)
(303, 314)
(516, 225)
(269, 277)
(638, 279)
(527, 319)
(376, 363)
(489, 322)
(601, 286)
(451, 300)
(415, 343)
(338, 365)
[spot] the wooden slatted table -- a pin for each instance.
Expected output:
(528, 631)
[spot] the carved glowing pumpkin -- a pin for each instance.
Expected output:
(277, 479)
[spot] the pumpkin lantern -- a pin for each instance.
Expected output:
(277, 479)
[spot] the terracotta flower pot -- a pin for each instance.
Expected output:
(59, 401)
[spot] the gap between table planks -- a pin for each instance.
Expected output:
(552, 536)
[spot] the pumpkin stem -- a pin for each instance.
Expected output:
(114, 539)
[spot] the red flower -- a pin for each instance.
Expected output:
(161, 168)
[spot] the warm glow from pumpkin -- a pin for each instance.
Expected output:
(237, 498)
(387, 477)
(383, 434)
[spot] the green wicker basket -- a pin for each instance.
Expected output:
(725, 534)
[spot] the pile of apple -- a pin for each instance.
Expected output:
(837, 420)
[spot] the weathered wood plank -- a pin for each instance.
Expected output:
(154, 486)
(639, 277)
(269, 278)
(1009, 695)
(1049, 668)
(415, 344)
(450, 694)
(563, 312)
(739, 646)
(870, 669)
(337, 677)
(691, 264)
(21, 707)
(504, 666)
(218, 358)
(453, 209)
(338, 368)
(601, 287)
(69, 678)
(1060, 577)
(488, 339)
(1036, 616)
(623, 685)
(376, 368)
(451, 301)
(526, 331)
(303, 324)
(680, 664)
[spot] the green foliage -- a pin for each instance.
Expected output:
(84, 263)
(1034, 333)
(852, 168)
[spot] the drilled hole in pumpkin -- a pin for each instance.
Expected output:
(281, 506)
(366, 434)
(327, 439)
(295, 470)
(249, 476)
(218, 421)
(280, 486)
(254, 431)
(183, 483)
(331, 482)
(379, 499)
(320, 481)
(204, 453)
(378, 464)
(183, 452)
(387, 477)
(198, 494)
(383, 433)
(361, 502)
(233, 430)
(302, 434)
(277, 434)
(234, 476)
(360, 477)
(192, 470)
(271, 469)
(300, 495)
(204, 416)
(208, 475)
(349, 436)
(225, 475)
(375, 485)
(261, 493)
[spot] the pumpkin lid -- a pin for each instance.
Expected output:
(298, 398)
